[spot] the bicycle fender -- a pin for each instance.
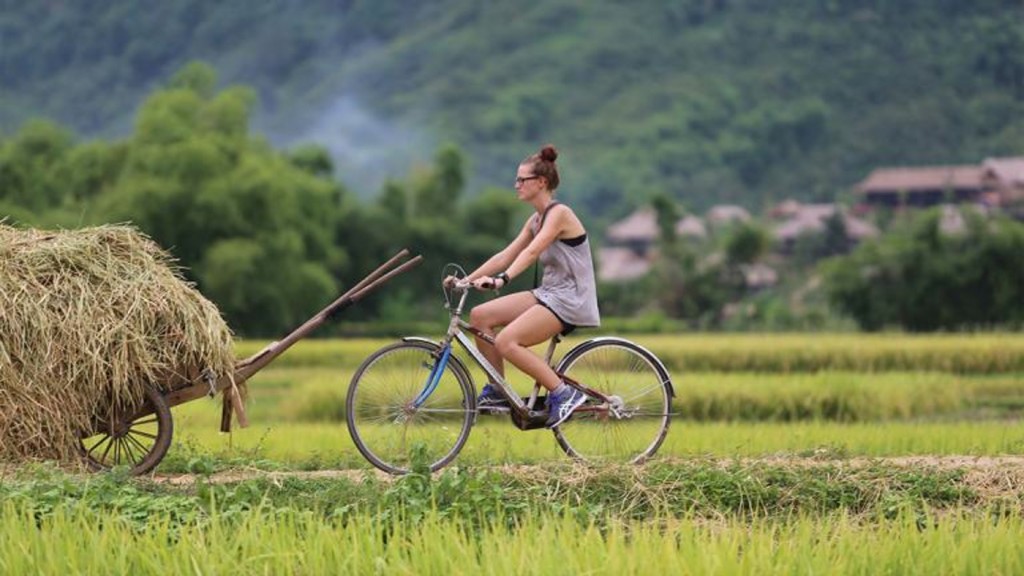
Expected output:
(658, 364)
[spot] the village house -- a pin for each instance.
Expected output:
(995, 182)
(639, 230)
(921, 187)
(724, 214)
(804, 219)
(631, 243)
(1004, 177)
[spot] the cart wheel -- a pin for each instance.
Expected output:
(139, 440)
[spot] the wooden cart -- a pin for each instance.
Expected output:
(140, 439)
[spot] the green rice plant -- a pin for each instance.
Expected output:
(82, 542)
(829, 439)
(838, 396)
(958, 353)
(982, 353)
(297, 420)
(318, 395)
(497, 442)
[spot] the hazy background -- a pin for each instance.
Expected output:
(280, 149)
(742, 101)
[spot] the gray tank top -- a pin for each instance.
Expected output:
(567, 286)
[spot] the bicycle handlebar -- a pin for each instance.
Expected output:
(466, 285)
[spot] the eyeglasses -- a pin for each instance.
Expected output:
(521, 179)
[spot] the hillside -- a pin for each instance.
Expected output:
(740, 101)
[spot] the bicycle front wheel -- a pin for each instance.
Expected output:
(632, 424)
(398, 418)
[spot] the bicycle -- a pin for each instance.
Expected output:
(417, 392)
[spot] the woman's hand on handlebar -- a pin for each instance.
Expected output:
(481, 283)
(459, 283)
(485, 283)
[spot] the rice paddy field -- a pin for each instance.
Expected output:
(795, 454)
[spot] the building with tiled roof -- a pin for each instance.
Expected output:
(995, 182)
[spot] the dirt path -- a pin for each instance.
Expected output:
(988, 474)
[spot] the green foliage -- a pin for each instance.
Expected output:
(494, 214)
(253, 227)
(31, 166)
(933, 277)
(487, 498)
(832, 241)
(996, 353)
(746, 243)
(271, 237)
(313, 159)
(713, 101)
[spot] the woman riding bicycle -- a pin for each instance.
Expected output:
(565, 299)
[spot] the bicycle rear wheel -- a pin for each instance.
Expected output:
(631, 427)
(394, 418)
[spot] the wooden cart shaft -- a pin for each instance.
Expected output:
(244, 369)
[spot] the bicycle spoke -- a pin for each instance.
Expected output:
(383, 421)
(440, 410)
(630, 426)
(653, 388)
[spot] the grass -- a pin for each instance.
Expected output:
(297, 416)
(82, 542)
(694, 488)
(763, 472)
(317, 394)
(982, 353)
(323, 446)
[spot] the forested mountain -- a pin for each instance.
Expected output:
(743, 101)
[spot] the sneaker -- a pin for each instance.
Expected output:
(559, 409)
(490, 398)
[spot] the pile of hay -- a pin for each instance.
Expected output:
(87, 317)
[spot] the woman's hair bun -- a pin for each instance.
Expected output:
(548, 153)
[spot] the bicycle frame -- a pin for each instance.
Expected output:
(523, 413)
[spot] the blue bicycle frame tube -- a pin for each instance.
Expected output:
(435, 377)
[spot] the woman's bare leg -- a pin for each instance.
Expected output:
(531, 328)
(498, 312)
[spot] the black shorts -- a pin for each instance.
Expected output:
(567, 328)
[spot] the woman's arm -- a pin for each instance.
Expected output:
(503, 259)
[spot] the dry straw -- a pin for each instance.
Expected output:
(87, 318)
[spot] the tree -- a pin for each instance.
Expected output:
(927, 278)
(436, 191)
(670, 280)
(746, 243)
(255, 227)
(30, 166)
